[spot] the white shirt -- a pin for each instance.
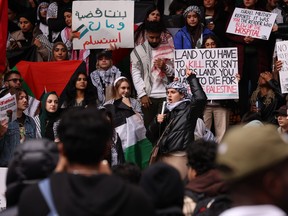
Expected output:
(255, 210)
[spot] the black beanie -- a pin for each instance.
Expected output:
(164, 186)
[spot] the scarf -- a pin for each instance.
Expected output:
(102, 79)
(171, 106)
(45, 115)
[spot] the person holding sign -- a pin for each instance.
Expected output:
(192, 34)
(216, 111)
(19, 130)
(177, 123)
(253, 58)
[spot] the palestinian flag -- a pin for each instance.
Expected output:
(40, 77)
(137, 148)
(3, 33)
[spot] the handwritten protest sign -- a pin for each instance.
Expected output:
(215, 68)
(8, 108)
(100, 23)
(246, 22)
(282, 55)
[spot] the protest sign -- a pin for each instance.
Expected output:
(3, 173)
(101, 23)
(282, 55)
(8, 108)
(215, 68)
(253, 23)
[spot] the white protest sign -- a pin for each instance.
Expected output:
(253, 23)
(216, 69)
(282, 55)
(8, 108)
(101, 23)
(3, 173)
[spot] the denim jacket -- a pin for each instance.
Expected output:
(10, 141)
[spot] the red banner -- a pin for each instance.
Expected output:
(3, 33)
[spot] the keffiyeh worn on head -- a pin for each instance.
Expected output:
(192, 8)
(180, 87)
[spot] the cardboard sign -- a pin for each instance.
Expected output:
(253, 23)
(101, 23)
(215, 68)
(282, 55)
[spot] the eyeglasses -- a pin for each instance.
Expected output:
(15, 80)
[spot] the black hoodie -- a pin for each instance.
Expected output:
(81, 195)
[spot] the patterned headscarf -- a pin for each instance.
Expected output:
(192, 8)
(179, 86)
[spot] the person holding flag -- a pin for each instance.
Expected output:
(129, 125)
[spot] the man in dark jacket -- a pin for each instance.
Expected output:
(85, 189)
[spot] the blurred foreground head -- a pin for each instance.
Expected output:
(255, 161)
(33, 160)
(85, 134)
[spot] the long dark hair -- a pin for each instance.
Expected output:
(69, 96)
(141, 29)
(214, 38)
(196, 31)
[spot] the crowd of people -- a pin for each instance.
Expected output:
(126, 137)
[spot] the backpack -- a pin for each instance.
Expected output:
(45, 189)
(209, 206)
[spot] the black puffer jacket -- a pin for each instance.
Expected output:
(184, 117)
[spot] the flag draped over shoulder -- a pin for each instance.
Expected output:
(47, 76)
(137, 148)
(3, 33)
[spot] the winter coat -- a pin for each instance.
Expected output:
(43, 52)
(184, 117)
(182, 39)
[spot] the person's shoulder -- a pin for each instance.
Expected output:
(31, 197)
(208, 31)
(16, 34)
(30, 120)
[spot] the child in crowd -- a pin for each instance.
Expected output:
(104, 76)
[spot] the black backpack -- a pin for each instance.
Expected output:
(209, 206)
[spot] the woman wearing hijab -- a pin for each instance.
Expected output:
(30, 35)
(174, 129)
(49, 114)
